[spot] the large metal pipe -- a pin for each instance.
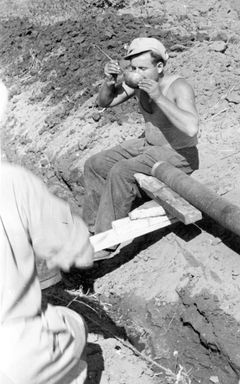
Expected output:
(218, 208)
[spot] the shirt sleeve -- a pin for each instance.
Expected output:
(57, 236)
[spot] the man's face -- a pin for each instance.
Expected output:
(143, 65)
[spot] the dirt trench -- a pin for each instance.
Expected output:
(175, 292)
(167, 297)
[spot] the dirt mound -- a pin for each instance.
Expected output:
(53, 72)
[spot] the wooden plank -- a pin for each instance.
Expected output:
(149, 209)
(171, 201)
(126, 229)
(217, 207)
(126, 225)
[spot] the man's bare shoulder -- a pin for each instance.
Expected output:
(179, 86)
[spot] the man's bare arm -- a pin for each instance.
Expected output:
(113, 92)
(182, 110)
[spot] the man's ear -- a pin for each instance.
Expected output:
(160, 67)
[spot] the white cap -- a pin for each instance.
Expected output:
(145, 44)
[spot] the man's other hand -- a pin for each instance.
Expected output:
(151, 87)
(112, 70)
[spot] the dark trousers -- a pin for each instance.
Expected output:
(110, 186)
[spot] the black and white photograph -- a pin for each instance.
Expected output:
(120, 192)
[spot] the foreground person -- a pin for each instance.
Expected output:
(167, 103)
(38, 346)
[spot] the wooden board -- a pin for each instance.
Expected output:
(149, 209)
(171, 201)
(126, 229)
(148, 218)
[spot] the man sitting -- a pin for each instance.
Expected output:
(167, 103)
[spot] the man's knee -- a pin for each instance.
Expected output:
(121, 171)
(174, 158)
(171, 156)
(92, 164)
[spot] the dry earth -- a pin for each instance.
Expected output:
(172, 295)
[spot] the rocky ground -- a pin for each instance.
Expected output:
(169, 301)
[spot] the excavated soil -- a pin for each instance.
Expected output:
(166, 309)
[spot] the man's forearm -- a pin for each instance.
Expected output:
(106, 93)
(185, 121)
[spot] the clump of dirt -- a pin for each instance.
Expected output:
(176, 291)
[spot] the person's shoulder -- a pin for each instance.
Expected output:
(180, 82)
(12, 169)
(16, 174)
(9, 169)
(180, 86)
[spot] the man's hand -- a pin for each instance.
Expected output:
(111, 71)
(85, 259)
(71, 246)
(151, 87)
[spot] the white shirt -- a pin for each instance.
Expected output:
(36, 347)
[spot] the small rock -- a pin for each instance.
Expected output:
(234, 39)
(233, 97)
(218, 46)
(44, 162)
(79, 40)
(236, 71)
(216, 241)
(96, 116)
(203, 26)
(83, 144)
(177, 47)
(108, 33)
(172, 54)
(202, 35)
(74, 33)
(23, 141)
(214, 379)
(219, 35)
(43, 129)
(112, 119)
(195, 12)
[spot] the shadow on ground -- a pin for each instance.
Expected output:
(96, 318)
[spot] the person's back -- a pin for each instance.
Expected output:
(37, 347)
(19, 285)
